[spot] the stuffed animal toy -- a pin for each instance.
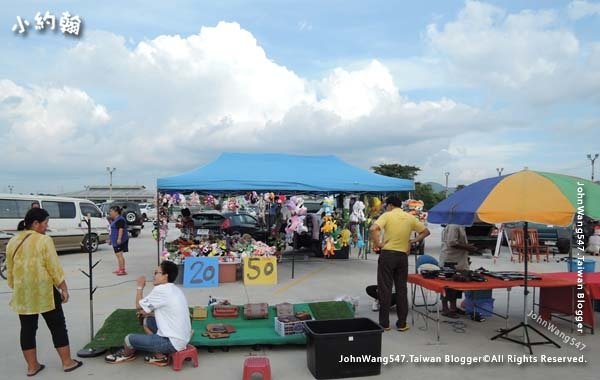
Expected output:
(210, 201)
(375, 206)
(299, 203)
(328, 205)
(358, 212)
(593, 246)
(286, 213)
(329, 225)
(254, 197)
(233, 205)
(269, 197)
(345, 237)
(281, 199)
(328, 247)
(360, 242)
(194, 199)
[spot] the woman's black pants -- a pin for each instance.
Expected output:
(55, 319)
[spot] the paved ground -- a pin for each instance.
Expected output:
(314, 280)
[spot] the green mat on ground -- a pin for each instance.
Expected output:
(249, 332)
(116, 327)
(331, 310)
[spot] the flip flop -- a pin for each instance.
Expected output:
(79, 364)
(40, 368)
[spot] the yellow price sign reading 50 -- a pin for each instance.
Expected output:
(260, 270)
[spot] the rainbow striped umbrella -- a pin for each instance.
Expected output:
(525, 196)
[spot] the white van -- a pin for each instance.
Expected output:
(66, 227)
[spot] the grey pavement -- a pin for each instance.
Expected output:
(315, 280)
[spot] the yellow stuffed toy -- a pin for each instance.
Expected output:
(375, 206)
(345, 237)
(329, 226)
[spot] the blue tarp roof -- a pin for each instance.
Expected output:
(282, 172)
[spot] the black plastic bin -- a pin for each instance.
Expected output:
(328, 341)
(342, 253)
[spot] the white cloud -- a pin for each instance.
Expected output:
(41, 124)
(528, 54)
(182, 100)
(579, 9)
(218, 90)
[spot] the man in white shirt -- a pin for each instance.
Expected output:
(171, 327)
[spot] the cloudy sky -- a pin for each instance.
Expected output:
(157, 89)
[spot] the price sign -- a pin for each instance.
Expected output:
(260, 270)
(201, 272)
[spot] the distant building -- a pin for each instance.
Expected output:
(99, 194)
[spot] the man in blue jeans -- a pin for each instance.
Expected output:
(170, 328)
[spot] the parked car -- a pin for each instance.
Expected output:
(4, 238)
(214, 222)
(132, 214)
(66, 227)
(484, 235)
(148, 211)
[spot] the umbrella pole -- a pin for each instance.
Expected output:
(526, 327)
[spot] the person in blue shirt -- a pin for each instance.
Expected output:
(119, 238)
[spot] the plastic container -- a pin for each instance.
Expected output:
(289, 328)
(227, 272)
(479, 294)
(333, 347)
(343, 253)
(483, 306)
(588, 265)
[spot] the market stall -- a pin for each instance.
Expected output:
(279, 178)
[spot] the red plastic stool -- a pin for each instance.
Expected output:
(179, 357)
(257, 364)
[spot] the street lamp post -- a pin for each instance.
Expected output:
(447, 174)
(110, 172)
(593, 160)
(499, 170)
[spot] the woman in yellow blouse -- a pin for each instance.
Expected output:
(34, 274)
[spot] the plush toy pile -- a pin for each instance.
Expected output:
(334, 237)
(415, 207)
(233, 249)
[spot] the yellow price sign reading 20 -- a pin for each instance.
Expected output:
(260, 271)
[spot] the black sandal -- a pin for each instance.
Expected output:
(79, 364)
(40, 368)
(450, 314)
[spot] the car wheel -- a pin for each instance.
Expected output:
(135, 233)
(3, 266)
(93, 242)
(130, 217)
(144, 217)
(563, 245)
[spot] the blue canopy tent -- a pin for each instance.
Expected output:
(238, 172)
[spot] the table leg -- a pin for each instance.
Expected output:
(438, 318)
(507, 306)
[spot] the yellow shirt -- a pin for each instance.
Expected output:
(397, 226)
(32, 271)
